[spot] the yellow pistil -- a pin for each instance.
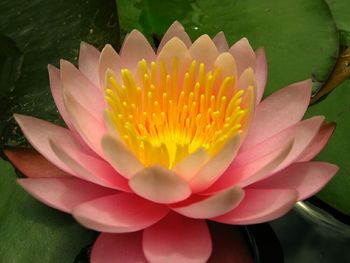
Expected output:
(164, 116)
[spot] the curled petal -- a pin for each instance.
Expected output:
(177, 239)
(175, 30)
(318, 143)
(160, 185)
(260, 205)
(212, 206)
(88, 62)
(307, 178)
(119, 213)
(63, 193)
(126, 248)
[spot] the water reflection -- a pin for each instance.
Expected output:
(309, 234)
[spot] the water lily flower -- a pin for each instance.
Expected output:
(157, 143)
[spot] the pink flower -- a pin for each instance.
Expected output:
(159, 142)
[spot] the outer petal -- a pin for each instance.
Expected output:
(38, 133)
(260, 73)
(89, 128)
(307, 178)
(109, 59)
(123, 248)
(136, 48)
(33, 164)
(318, 143)
(119, 213)
(212, 206)
(175, 30)
(214, 168)
(221, 42)
(160, 185)
(63, 193)
(120, 158)
(82, 90)
(279, 111)
(203, 50)
(243, 54)
(88, 62)
(177, 239)
(260, 205)
(57, 94)
(89, 168)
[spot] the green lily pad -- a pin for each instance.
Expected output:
(336, 107)
(45, 31)
(32, 232)
(300, 37)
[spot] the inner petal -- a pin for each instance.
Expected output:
(163, 116)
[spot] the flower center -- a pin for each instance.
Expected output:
(164, 115)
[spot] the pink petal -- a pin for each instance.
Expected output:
(88, 62)
(307, 178)
(216, 166)
(260, 73)
(252, 171)
(38, 133)
(33, 164)
(319, 142)
(63, 193)
(177, 239)
(89, 128)
(119, 213)
(221, 42)
(203, 50)
(119, 157)
(88, 167)
(123, 248)
(57, 93)
(303, 134)
(82, 90)
(109, 60)
(279, 111)
(174, 48)
(212, 206)
(160, 185)
(243, 54)
(260, 205)
(188, 167)
(229, 245)
(136, 48)
(175, 30)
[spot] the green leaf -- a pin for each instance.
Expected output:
(300, 37)
(336, 107)
(44, 32)
(33, 232)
